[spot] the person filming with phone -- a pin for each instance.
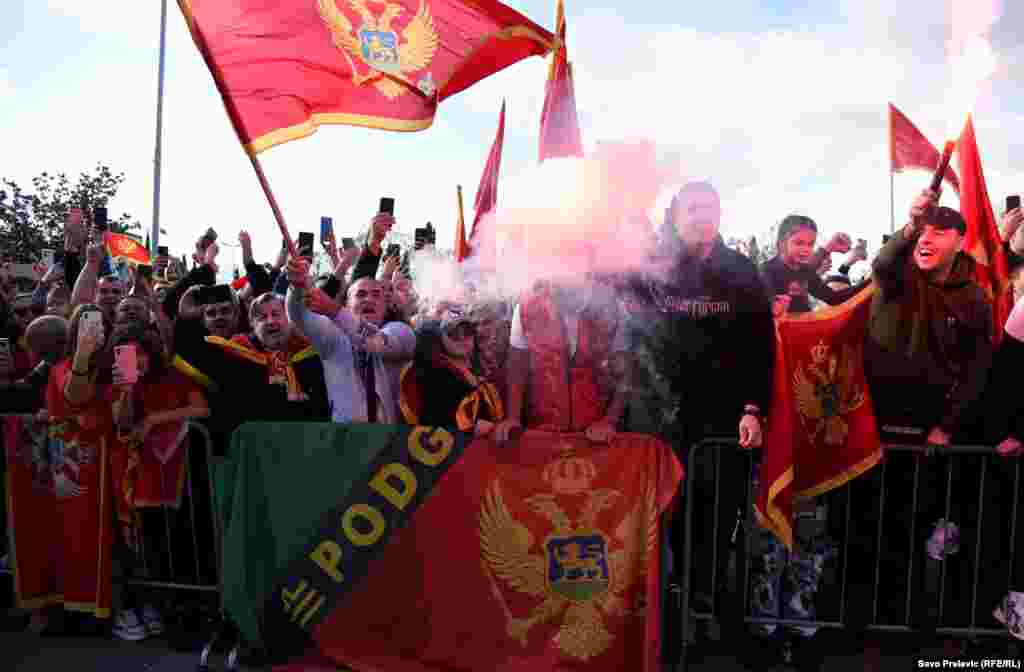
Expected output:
(380, 226)
(362, 355)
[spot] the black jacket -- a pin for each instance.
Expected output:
(706, 328)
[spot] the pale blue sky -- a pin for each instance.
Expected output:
(781, 104)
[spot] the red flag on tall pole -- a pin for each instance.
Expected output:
(559, 124)
(487, 196)
(982, 240)
(908, 148)
(461, 247)
(285, 68)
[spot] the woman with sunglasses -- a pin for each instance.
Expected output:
(439, 387)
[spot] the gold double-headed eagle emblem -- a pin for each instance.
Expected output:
(827, 392)
(574, 576)
(376, 52)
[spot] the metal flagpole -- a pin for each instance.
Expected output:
(892, 200)
(155, 237)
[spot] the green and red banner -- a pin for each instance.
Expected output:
(416, 549)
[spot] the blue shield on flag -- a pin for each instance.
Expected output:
(380, 50)
(578, 566)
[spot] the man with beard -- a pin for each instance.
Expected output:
(270, 374)
(703, 328)
(363, 357)
(106, 291)
(204, 311)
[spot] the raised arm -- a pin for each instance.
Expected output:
(321, 331)
(88, 280)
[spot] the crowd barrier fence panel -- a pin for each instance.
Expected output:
(691, 587)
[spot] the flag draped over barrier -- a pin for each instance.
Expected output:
(285, 68)
(413, 548)
(821, 428)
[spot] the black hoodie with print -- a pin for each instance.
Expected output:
(708, 326)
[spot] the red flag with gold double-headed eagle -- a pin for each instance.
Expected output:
(120, 246)
(821, 429)
(285, 68)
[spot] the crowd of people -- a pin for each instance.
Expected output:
(113, 369)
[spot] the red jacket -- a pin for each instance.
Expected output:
(564, 394)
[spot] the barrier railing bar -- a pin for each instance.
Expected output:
(192, 504)
(167, 520)
(749, 522)
(846, 554)
(1013, 526)
(684, 580)
(878, 544)
(875, 627)
(715, 529)
(977, 543)
(942, 563)
(913, 537)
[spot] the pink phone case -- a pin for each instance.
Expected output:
(127, 365)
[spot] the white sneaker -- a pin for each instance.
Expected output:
(151, 620)
(128, 626)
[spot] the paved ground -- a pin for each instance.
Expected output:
(23, 652)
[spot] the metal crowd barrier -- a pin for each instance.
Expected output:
(703, 473)
(201, 530)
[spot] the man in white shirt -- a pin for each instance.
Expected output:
(362, 357)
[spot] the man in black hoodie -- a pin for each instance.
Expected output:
(704, 329)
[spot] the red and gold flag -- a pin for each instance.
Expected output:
(487, 198)
(120, 246)
(33, 522)
(821, 429)
(284, 68)
(542, 555)
(908, 148)
(559, 124)
(982, 240)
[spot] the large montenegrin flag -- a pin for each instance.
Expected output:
(285, 67)
(416, 549)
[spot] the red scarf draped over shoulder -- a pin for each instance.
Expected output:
(280, 365)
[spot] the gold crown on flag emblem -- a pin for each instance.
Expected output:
(570, 475)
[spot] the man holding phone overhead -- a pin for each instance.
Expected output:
(373, 252)
(1012, 231)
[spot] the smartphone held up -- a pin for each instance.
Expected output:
(126, 365)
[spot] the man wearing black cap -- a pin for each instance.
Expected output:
(929, 344)
(927, 356)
